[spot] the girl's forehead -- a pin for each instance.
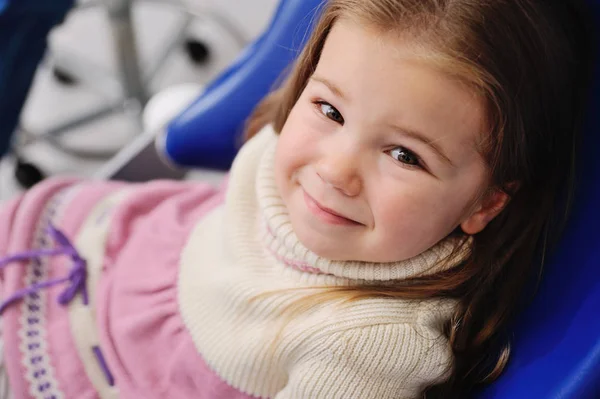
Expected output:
(387, 57)
(396, 41)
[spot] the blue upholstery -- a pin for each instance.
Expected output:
(557, 339)
(24, 26)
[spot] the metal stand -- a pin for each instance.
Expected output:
(119, 12)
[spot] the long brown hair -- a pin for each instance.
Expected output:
(527, 61)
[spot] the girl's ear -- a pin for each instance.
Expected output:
(486, 210)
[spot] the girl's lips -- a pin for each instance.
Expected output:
(325, 214)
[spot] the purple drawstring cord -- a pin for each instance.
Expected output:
(76, 277)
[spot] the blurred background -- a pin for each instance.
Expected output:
(78, 113)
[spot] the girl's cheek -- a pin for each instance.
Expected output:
(303, 127)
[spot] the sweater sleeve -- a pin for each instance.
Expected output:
(378, 361)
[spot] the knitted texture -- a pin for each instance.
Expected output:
(243, 267)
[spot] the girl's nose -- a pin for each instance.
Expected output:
(340, 170)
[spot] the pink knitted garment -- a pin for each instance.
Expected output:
(144, 342)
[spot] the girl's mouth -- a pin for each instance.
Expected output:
(325, 214)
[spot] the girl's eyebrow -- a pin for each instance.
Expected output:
(414, 134)
(330, 85)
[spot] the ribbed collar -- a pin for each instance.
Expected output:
(284, 245)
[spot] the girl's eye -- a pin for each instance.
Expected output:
(405, 156)
(329, 111)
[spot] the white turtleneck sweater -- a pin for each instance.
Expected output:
(243, 267)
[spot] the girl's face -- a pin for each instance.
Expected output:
(378, 159)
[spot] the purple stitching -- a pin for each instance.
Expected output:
(32, 300)
(76, 277)
(41, 379)
(102, 362)
(32, 306)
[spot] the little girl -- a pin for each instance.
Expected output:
(371, 241)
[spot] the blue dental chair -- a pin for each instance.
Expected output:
(556, 351)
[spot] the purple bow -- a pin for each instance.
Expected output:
(76, 277)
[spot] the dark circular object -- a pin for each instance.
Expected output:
(28, 174)
(198, 52)
(63, 76)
